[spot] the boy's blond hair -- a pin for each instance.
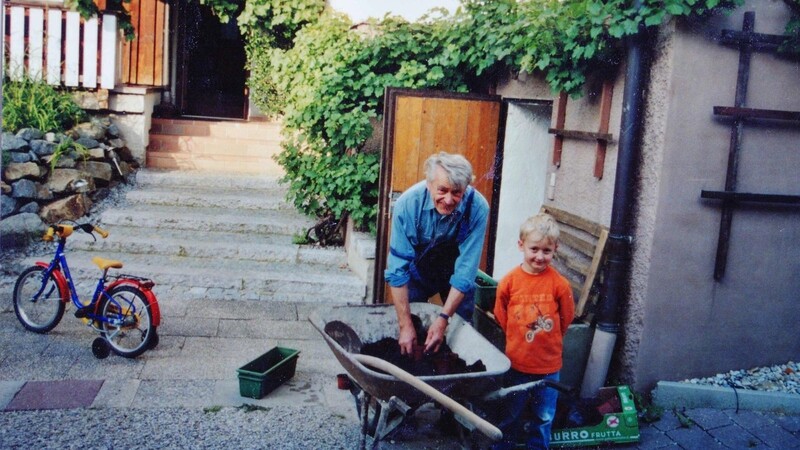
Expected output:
(541, 226)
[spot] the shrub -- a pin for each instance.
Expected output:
(30, 103)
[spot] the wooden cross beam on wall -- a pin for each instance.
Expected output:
(747, 41)
(601, 136)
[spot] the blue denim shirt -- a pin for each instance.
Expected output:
(415, 222)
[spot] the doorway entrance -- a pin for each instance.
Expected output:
(211, 59)
(420, 123)
(526, 149)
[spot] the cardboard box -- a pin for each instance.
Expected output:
(616, 417)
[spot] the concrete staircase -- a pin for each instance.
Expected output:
(208, 145)
(211, 236)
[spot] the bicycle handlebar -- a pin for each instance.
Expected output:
(63, 231)
(100, 231)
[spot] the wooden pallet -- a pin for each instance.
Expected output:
(581, 249)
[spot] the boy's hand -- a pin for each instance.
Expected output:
(407, 340)
(435, 336)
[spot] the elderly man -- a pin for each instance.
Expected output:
(438, 226)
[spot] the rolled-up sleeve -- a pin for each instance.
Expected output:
(401, 249)
(466, 268)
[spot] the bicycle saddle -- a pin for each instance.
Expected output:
(105, 264)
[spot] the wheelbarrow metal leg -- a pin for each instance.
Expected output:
(363, 401)
(393, 413)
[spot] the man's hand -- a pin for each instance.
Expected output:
(407, 340)
(435, 335)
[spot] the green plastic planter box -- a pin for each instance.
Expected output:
(262, 375)
(485, 291)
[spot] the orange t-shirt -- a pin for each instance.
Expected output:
(534, 311)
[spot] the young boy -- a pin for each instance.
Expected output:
(534, 307)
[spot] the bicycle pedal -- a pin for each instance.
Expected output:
(82, 313)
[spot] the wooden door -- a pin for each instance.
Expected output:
(419, 123)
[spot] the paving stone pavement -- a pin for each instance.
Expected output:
(204, 341)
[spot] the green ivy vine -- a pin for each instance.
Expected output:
(87, 8)
(327, 80)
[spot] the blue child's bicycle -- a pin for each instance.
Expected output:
(123, 308)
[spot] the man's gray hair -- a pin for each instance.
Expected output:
(458, 168)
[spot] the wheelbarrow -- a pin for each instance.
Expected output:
(393, 395)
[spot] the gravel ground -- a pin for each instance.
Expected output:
(777, 378)
(175, 428)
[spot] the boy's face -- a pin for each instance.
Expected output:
(536, 253)
(445, 196)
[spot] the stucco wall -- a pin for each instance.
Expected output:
(678, 321)
(576, 189)
(681, 322)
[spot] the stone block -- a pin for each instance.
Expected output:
(14, 143)
(64, 162)
(70, 208)
(97, 153)
(30, 207)
(98, 170)
(17, 157)
(42, 147)
(17, 171)
(8, 205)
(23, 188)
(93, 100)
(21, 229)
(30, 134)
(88, 142)
(64, 180)
(116, 143)
(90, 130)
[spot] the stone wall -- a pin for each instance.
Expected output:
(45, 181)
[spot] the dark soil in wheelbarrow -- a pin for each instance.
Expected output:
(421, 364)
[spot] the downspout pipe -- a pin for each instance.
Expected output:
(620, 237)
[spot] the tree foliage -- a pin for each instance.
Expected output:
(326, 78)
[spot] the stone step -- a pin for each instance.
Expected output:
(212, 146)
(252, 130)
(220, 245)
(218, 236)
(188, 278)
(167, 178)
(197, 221)
(202, 155)
(204, 197)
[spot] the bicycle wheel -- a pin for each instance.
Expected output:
(127, 325)
(37, 301)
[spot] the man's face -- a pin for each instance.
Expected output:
(446, 197)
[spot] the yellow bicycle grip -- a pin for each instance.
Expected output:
(101, 231)
(48, 235)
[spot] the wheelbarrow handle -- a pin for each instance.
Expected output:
(504, 392)
(485, 427)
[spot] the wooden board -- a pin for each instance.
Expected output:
(580, 254)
